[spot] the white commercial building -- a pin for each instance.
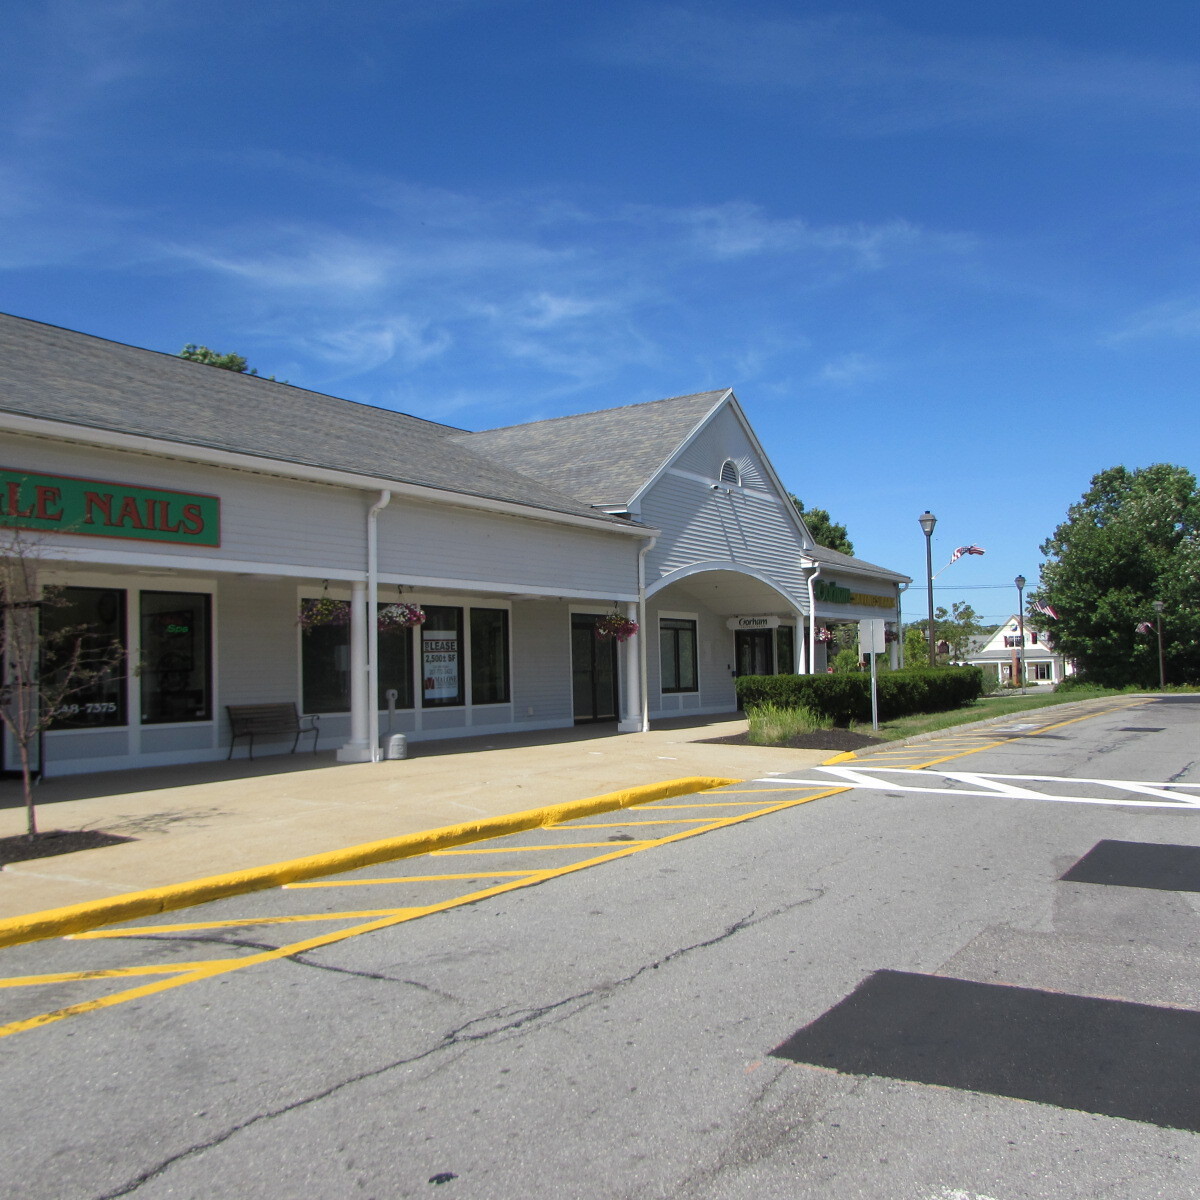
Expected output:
(190, 513)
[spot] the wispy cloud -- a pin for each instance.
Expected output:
(1173, 319)
(525, 280)
(849, 370)
(869, 75)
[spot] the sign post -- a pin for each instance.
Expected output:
(872, 640)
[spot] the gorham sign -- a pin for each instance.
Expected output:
(829, 592)
(770, 622)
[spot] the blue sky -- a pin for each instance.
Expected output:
(946, 254)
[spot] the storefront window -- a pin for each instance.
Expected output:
(677, 652)
(93, 619)
(176, 672)
(325, 668)
(489, 656)
(785, 650)
(441, 657)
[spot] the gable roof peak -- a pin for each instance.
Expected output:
(602, 458)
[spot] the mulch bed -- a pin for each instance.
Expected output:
(21, 848)
(820, 739)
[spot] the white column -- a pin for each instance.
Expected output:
(631, 670)
(359, 747)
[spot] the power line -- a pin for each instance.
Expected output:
(966, 587)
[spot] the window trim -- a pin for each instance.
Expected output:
(133, 582)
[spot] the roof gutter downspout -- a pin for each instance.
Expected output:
(384, 500)
(815, 568)
(643, 634)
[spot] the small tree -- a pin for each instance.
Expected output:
(227, 362)
(43, 665)
(956, 628)
(824, 529)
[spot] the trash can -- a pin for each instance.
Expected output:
(395, 745)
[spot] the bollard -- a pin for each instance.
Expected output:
(395, 745)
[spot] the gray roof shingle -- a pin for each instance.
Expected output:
(835, 558)
(60, 375)
(601, 458)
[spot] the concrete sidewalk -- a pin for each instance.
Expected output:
(210, 818)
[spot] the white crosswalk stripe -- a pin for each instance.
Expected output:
(1125, 792)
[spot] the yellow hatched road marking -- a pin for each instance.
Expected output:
(542, 846)
(143, 930)
(225, 966)
(104, 973)
(733, 803)
(626, 824)
(324, 883)
(186, 973)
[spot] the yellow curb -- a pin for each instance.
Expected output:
(75, 918)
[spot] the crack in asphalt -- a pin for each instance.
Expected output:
(298, 959)
(478, 1029)
(1181, 773)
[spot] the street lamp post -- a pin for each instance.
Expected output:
(1162, 669)
(927, 521)
(1020, 582)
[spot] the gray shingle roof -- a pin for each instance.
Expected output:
(60, 375)
(835, 558)
(601, 458)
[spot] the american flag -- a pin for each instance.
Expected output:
(1145, 627)
(964, 550)
(1042, 607)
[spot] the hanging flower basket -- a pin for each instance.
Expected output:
(890, 635)
(615, 626)
(825, 634)
(400, 616)
(324, 610)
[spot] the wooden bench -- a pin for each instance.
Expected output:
(267, 720)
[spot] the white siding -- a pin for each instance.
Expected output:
(750, 525)
(700, 525)
(274, 521)
(428, 541)
(263, 519)
(723, 438)
(258, 646)
(541, 651)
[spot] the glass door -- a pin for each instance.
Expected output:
(593, 671)
(755, 652)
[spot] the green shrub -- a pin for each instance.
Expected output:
(845, 661)
(846, 698)
(774, 725)
(1072, 683)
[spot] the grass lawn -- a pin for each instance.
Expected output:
(981, 710)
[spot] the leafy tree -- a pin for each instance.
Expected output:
(1133, 538)
(956, 628)
(227, 362)
(916, 646)
(821, 525)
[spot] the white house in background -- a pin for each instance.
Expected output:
(995, 654)
(194, 516)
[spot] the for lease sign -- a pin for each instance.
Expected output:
(95, 508)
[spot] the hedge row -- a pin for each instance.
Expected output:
(847, 697)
